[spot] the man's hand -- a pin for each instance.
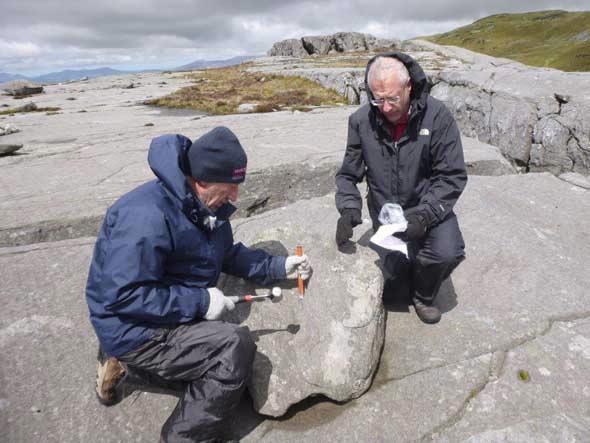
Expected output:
(416, 228)
(218, 304)
(348, 220)
(297, 266)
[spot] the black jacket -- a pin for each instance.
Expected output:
(424, 170)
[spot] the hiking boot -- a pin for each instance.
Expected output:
(428, 313)
(109, 380)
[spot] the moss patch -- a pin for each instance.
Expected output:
(524, 375)
(555, 39)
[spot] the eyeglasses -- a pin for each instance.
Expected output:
(392, 101)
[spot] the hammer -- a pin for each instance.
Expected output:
(270, 294)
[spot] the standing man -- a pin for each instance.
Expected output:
(408, 146)
(151, 286)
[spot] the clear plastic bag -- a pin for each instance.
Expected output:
(392, 220)
(391, 213)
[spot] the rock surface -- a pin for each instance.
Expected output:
(292, 47)
(328, 44)
(90, 159)
(331, 71)
(518, 302)
(28, 107)
(537, 117)
(327, 342)
(247, 107)
(21, 88)
(576, 179)
(6, 129)
(6, 149)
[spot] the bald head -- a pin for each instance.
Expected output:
(383, 68)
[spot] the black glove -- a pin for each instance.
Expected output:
(349, 218)
(416, 228)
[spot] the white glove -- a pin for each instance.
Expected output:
(298, 266)
(218, 304)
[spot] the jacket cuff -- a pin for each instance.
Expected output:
(204, 302)
(277, 268)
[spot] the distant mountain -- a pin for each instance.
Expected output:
(554, 39)
(70, 74)
(202, 64)
(5, 77)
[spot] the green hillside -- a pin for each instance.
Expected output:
(555, 39)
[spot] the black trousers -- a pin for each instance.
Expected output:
(211, 361)
(431, 260)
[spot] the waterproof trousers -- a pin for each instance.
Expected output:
(211, 360)
(431, 260)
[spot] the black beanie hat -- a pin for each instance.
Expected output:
(217, 157)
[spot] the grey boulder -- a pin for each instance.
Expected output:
(317, 45)
(7, 148)
(21, 88)
(292, 47)
(349, 42)
(8, 128)
(329, 341)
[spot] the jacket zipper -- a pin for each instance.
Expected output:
(397, 171)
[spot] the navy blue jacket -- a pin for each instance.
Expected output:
(154, 260)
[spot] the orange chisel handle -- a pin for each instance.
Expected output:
(300, 285)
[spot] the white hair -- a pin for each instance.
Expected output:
(383, 67)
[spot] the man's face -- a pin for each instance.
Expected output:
(214, 195)
(390, 88)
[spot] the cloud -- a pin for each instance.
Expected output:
(12, 49)
(37, 35)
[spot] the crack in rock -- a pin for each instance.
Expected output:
(495, 371)
(495, 367)
(277, 186)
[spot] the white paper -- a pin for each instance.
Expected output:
(384, 238)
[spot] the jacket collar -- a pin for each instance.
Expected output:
(202, 216)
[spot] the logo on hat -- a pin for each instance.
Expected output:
(239, 174)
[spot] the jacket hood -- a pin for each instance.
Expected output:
(167, 158)
(418, 78)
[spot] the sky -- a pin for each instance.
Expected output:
(40, 36)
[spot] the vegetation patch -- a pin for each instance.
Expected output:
(554, 39)
(524, 375)
(221, 91)
(19, 110)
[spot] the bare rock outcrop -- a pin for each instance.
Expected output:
(292, 47)
(536, 116)
(328, 44)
